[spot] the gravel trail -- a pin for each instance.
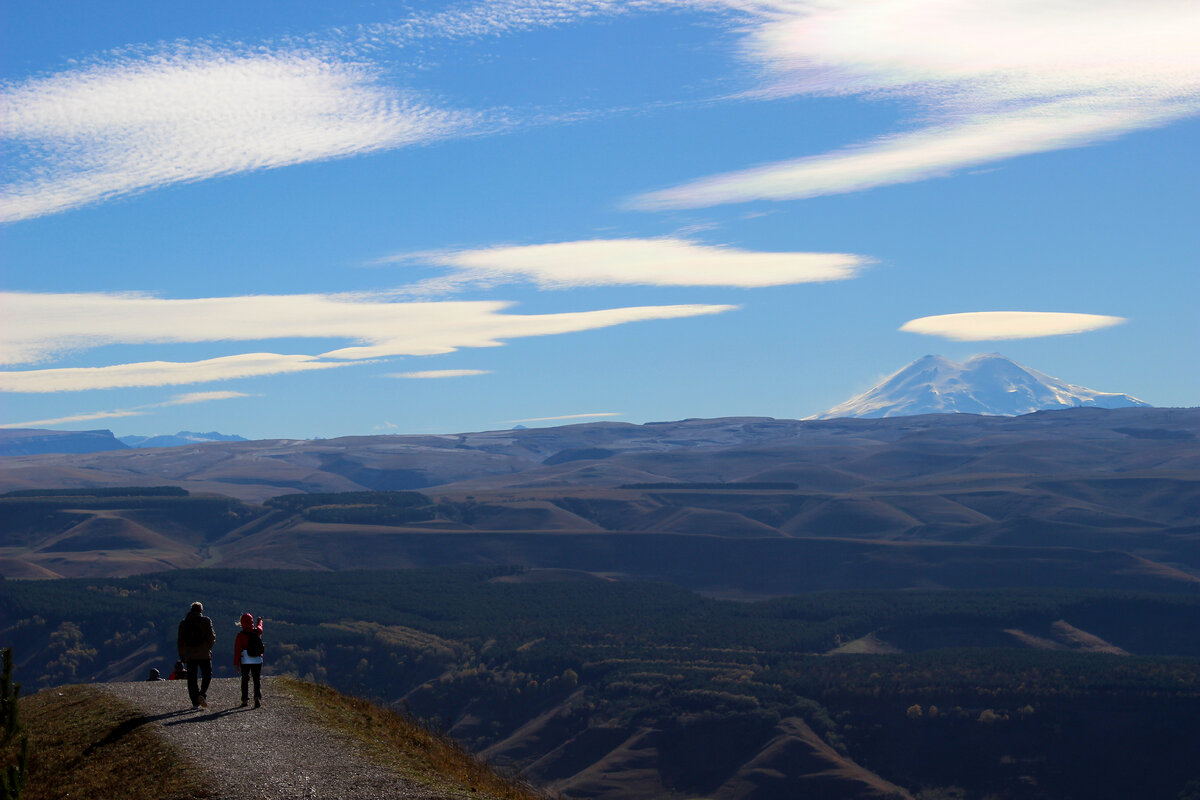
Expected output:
(276, 752)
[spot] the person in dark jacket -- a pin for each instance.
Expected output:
(248, 657)
(179, 673)
(195, 642)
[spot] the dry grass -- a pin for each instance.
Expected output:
(409, 747)
(85, 744)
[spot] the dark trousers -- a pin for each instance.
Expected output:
(195, 668)
(248, 671)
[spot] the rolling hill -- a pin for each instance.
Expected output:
(1084, 497)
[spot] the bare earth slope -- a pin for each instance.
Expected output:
(611, 762)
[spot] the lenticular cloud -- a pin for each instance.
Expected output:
(664, 261)
(997, 79)
(117, 129)
(981, 326)
(43, 327)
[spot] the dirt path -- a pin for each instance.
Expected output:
(276, 752)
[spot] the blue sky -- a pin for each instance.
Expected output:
(314, 219)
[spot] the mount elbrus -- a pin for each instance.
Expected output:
(986, 384)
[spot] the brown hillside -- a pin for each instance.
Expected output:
(1089, 485)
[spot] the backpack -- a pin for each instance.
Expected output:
(194, 632)
(254, 645)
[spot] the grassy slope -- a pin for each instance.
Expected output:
(86, 744)
(404, 745)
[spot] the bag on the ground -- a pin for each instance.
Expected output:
(254, 644)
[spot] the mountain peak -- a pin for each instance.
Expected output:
(179, 439)
(988, 383)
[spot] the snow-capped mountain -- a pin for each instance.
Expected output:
(986, 384)
(181, 438)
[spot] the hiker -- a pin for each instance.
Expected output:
(179, 673)
(248, 657)
(154, 676)
(195, 643)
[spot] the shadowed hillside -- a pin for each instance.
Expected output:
(623, 690)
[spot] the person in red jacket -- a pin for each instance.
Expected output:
(248, 657)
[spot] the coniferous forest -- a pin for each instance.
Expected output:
(1002, 693)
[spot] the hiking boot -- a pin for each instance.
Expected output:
(257, 702)
(245, 703)
(204, 701)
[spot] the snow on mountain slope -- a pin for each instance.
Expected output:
(178, 439)
(985, 384)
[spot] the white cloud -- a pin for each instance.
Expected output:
(42, 326)
(203, 397)
(441, 373)
(90, 416)
(497, 17)
(928, 153)
(158, 373)
(998, 79)
(1047, 73)
(177, 400)
(665, 261)
(141, 118)
(117, 128)
(482, 327)
(569, 416)
(998, 325)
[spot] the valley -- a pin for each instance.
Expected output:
(739, 609)
(623, 689)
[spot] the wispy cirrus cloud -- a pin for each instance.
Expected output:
(665, 261)
(996, 80)
(44, 326)
(159, 373)
(499, 17)
(569, 416)
(190, 398)
(146, 117)
(433, 374)
(982, 326)
(130, 124)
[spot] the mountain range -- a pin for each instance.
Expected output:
(1027, 629)
(32, 441)
(179, 439)
(986, 384)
